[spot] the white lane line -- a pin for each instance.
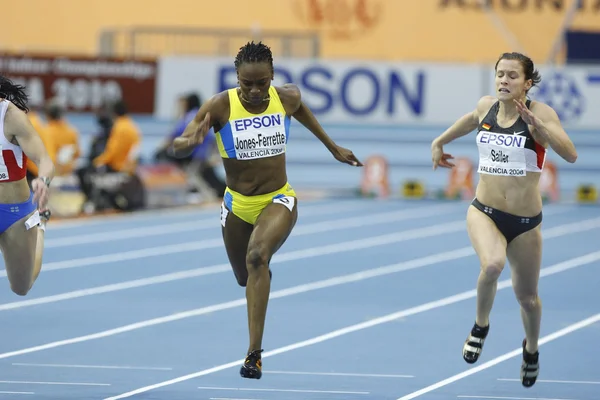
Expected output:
(56, 383)
(508, 398)
(7, 392)
(550, 233)
(93, 366)
(555, 381)
(353, 245)
(214, 243)
(280, 390)
(517, 352)
(554, 269)
(164, 229)
(343, 374)
(193, 211)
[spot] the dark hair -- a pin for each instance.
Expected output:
(254, 53)
(192, 101)
(119, 107)
(13, 93)
(526, 63)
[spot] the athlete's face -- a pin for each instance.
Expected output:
(254, 80)
(510, 80)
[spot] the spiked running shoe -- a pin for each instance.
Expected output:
(474, 344)
(530, 367)
(252, 368)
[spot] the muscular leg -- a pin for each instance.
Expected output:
(271, 230)
(490, 246)
(525, 258)
(236, 235)
(22, 251)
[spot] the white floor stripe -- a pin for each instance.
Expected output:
(92, 366)
(515, 353)
(338, 374)
(550, 233)
(280, 390)
(56, 383)
(556, 381)
(554, 269)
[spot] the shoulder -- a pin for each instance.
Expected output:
(485, 103)
(15, 118)
(220, 99)
(543, 111)
(218, 105)
(290, 96)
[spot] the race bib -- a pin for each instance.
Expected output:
(501, 154)
(224, 214)
(287, 201)
(3, 167)
(259, 137)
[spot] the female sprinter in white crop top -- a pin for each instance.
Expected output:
(504, 219)
(23, 213)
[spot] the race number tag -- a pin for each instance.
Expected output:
(3, 167)
(287, 201)
(224, 214)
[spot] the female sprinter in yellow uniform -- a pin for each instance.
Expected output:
(259, 208)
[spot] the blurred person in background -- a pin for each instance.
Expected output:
(200, 165)
(260, 207)
(22, 208)
(111, 179)
(40, 127)
(504, 220)
(63, 138)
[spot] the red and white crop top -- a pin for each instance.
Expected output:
(12, 159)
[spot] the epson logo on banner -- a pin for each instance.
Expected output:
(357, 91)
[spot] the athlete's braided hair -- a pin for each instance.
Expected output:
(14, 93)
(254, 53)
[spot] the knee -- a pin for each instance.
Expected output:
(257, 257)
(241, 280)
(491, 271)
(529, 302)
(20, 290)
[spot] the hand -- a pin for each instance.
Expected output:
(40, 193)
(439, 158)
(197, 137)
(346, 156)
(526, 115)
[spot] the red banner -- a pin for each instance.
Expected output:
(81, 83)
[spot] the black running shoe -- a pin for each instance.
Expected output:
(474, 344)
(252, 368)
(530, 367)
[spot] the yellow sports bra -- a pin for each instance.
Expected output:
(248, 136)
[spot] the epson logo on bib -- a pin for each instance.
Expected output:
(258, 122)
(499, 139)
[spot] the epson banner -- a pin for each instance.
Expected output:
(340, 92)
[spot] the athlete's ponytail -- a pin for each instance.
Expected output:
(14, 93)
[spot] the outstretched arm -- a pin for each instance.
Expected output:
(465, 124)
(195, 132)
(292, 100)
